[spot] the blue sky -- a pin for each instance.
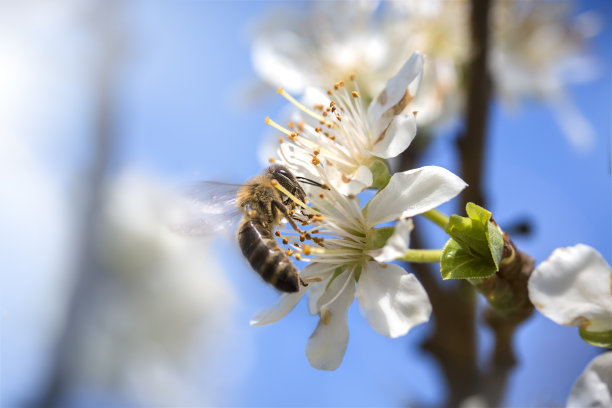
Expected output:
(181, 115)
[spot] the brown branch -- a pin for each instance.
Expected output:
(472, 144)
(507, 294)
(453, 339)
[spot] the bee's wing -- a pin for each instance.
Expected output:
(207, 208)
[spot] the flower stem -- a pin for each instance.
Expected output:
(436, 217)
(422, 255)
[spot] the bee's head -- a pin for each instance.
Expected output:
(286, 179)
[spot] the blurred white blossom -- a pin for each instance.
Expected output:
(594, 386)
(296, 47)
(573, 288)
(161, 309)
(537, 51)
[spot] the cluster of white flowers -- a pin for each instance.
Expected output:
(334, 147)
(536, 51)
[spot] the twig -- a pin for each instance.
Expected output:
(473, 143)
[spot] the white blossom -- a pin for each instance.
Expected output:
(348, 137)
(344, 263)
(573, 287)
(594, 386)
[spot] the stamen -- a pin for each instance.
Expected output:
(298, 105)
(277, 126)
(355, 94)
(272, 160)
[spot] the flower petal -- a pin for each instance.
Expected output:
(573, 288)
(391, 300)
(413, 192)
(322, 271)
(297, 160)
(285, 304)
(397, 137)
(594, 386)
(352, 183)
(398, 92)
(397, 244)
(327, 345)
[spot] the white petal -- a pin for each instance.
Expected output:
(397, 244)
(327, 345)
(285, 304)
(413, 192)
(314, 294)
(397, 138)
(573, 288)
(297, 160)
(353, 183)
(381, 110)
(322, 271)
(594, 387)
(391, 300)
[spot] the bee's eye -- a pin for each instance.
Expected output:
(283, 173)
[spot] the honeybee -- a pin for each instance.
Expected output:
(262, 207)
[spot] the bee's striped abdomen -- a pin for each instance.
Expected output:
(266, 257)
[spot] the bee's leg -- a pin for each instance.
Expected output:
(303, 282)
(283, 209)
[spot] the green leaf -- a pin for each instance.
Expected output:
(459, 263)
(477, 235)
(598, 339)
(470, 234)
(495, 238)
(378, 237)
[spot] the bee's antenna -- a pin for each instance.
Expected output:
(308, 181)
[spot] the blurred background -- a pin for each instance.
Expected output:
(107, 106)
